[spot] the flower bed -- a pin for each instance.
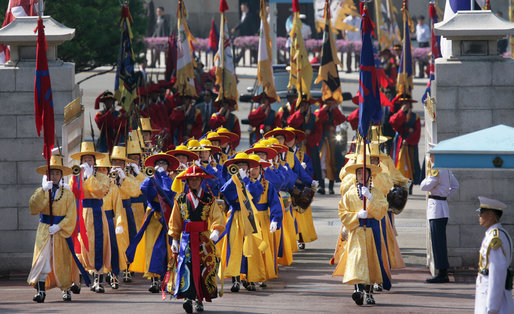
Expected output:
(252, 42)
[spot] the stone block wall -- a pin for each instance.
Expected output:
(470, 96)
(20, 155)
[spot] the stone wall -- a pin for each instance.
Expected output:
(20, 155)
(470, 96)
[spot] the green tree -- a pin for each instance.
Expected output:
(97, 30)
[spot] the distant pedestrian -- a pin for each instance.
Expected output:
(423, 36)
(161, 29)
(354, 37)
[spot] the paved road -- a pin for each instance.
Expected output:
(304, 287)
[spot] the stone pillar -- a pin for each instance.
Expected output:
(474, 89)
(21, 149)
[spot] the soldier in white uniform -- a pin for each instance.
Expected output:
(441, 183)
(494, 285)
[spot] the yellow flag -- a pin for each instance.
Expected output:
(185, 84)
(300, 74)
(264, 70)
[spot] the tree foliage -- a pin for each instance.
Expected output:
(97, 30)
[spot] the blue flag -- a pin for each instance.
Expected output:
(369, 98)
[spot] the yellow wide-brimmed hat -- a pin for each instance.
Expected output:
(242, 157)
(260, 147)
(263, 163)
(87, 148)
(146, 125)
(56, 162)
(288, 135)
(359, 163)
(183, 150)
(215, 136)
(104, 162)
(120, 152)
(195, 146)
(374, 150)
(225, 132)
(208, 144)
(273, 142)
(300, 135)
(133, 144)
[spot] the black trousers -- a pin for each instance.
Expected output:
(438, 236)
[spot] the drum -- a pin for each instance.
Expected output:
(397, 198)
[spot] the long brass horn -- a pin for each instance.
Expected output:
(76, 170)
(232, 169)
(149, 171)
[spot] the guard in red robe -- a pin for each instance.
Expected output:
(262, 119)
(186, 121)
(224, 118)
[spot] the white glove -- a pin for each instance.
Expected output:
(273, 226)
(119, 230)
(121, 173)
(365, 191)
(160, 169)
(362, 214)
(215, 235)
(304, 165)
(198, 163)
(174, 246)
(88, 170)
(135, 168)
(53, 229)
(314, 184)
(242, 173)
(46, 185)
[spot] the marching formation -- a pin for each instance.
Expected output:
(166, 192)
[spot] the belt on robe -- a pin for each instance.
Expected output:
(46, 219)
(191, 233)
(435, 197)
(139, 199)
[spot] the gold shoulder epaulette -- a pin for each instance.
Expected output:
(496, 242)
(434, 172)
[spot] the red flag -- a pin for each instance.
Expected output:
(296, 6)
(223, 6)
(16, 9)
(43, 104)
(214, 37)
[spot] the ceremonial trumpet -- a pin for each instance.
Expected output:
(232, 169)
(149, 171)
(113, 175)
(76, 170)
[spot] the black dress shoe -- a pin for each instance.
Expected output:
(154, 288)
(198, 306)
(321, 191)
(75, 289)
(358, 297)
(114, 282)
(251, 287)
(41, 294)
(188, 306)
(66, 295)
(99, 288)
(438, 279)
(263, 285)
(127, 276)
(235, 286)
(330, 191)
(369, 299)
(301, 246)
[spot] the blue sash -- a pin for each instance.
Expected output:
(57, 219)
(96, 206)
(139, 199)
(184, 242)
(375, 228)
(115, 258)
(127, 204)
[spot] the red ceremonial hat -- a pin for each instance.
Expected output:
(172, 161)
(194, 172)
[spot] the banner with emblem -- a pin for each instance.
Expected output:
(185, 83)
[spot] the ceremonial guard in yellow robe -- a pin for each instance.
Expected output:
(157, 253)
(135, 153)
(95, 186)
(54, 255)
(494, 280)
(241, 224)
(195, 223)
(262, 266)
(364, 260)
